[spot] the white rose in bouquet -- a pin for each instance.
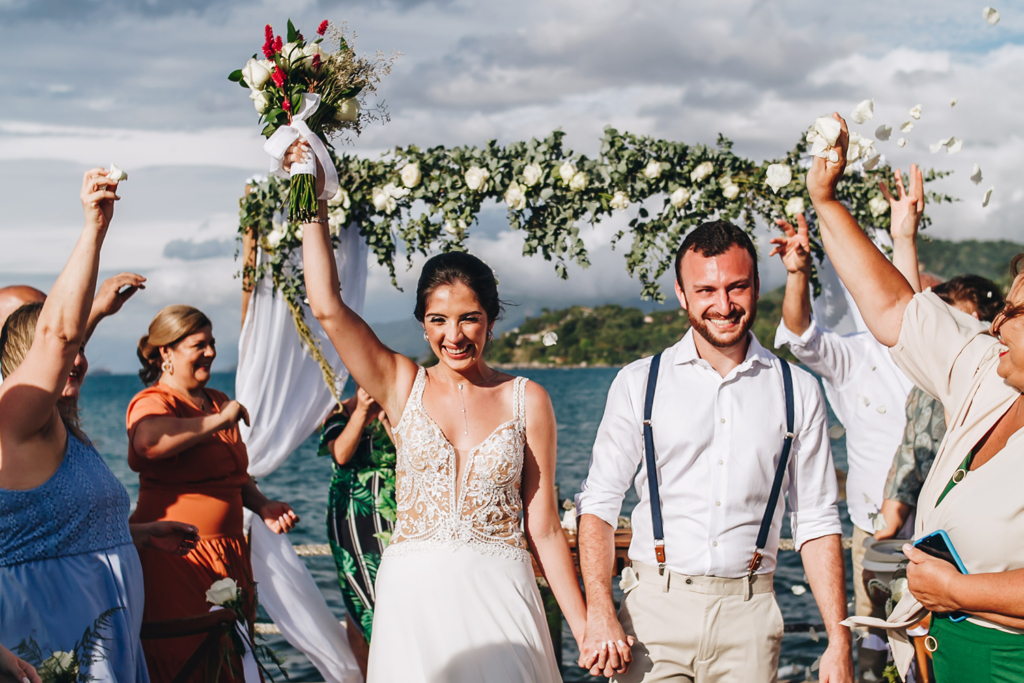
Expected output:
(255, 73)
(679, 198)
(260, 100)
(116, 174)
(224, 590)
(455, 228)
(348, 110)
(341, 199)
(411, 175)
(311, 50)
(620, 201)
(795, 206)
(515, 197)
(863, 111)
(778, 176)
(653, 170)
(58, 663)
(293, 55)
(578, 182)
(729, 189)
(878, 206)
(702, 171)
(567, 172)
(476, 178)
(531, 174)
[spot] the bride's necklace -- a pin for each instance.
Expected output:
(462, 397)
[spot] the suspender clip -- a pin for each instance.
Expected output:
(790, 435)
(659, 552)
(755, 562)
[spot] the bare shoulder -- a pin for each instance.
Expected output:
(538, 402)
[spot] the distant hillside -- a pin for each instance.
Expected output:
(988, 259)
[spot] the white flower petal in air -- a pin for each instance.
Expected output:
(954, 145)
(620, 201)
(702, 171)
(116, 174)
(915, 112)
(901, 142)
(976, 174)
(936, 146)
(870, 164)
(679, 198)
(906, 126)
(549, 339)
(798, 589)
(883, 132)
(653, 170)
(953, 101)
(878, 206)
(628, 581)
(778, 176)
(988, 196)
(990, 15)
(795, 206)
(828, 128)
(864, 111)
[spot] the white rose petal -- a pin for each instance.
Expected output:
(255, 74)
(680, 197)
(567, 172)
(878, 522)
(531, 174)
(901, 142)
(778, 176)
(833, 156)
(476, 178)
(795, 206)
(628, 581)
(897, 587)
(348, 110)
(953, 101)
(915, 112)
(578, 182)
(652, 170)
(515, 197)
(549, 339)
(311, 50)
(260, 100)
(455, 228)
(116, 174)
(798, 589)
(620, 201)
(341, 199)
(878, 206)
(954, 145)
(988, 196)
(883, 132)
(864, 111)
(990, 15)
(828, 128)
(976, 174)
(813, 633)
(224, 590)
(569, 520)
(395, 191)
(906, 126)
(411, 175)
(836, 432)
(870, 164)
(702, 171)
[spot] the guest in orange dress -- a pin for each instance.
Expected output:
(185, 444)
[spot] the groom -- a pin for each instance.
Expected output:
(699, 601)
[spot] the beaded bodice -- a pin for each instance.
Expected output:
(483, 511)
(82, 508)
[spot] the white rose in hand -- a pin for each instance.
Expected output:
(348, 110)
(411, 175)
(515, 197)
(531, 174)
(578, 182)
(116, 174)
(679, 198)
(795, 206)
(778, 176)
(476, 178)
(653, 170)
(255, 74)
(620, 201)
(224, 590)
(702, 171)
(260, 100)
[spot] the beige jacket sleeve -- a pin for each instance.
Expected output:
(940, 348)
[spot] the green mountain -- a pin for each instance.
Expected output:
(988, 259)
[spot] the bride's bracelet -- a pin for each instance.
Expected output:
(322, 221)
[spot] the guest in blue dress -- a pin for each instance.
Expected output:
(66, 550)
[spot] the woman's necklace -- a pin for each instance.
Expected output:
(462, 397)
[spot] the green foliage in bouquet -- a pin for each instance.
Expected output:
(70, 666)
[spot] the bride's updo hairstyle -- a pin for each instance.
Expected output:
(170, 326)
(459, 267)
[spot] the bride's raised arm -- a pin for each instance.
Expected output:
(386, 375)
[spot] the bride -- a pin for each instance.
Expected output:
(456, 594)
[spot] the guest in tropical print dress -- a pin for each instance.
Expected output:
(361, 503)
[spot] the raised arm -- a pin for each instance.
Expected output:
(878, 288)
(794, 249)
(28, 396)
(111, 297)
(905, 214)
(386, 375)
(158, 436)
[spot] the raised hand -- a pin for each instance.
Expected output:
(299, 151)
(98, 196)
(232, 412)
(906, 210)
(824, 175)
(115, 291)
(279, 516)
(795, 247)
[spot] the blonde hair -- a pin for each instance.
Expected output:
(15, 341)
(170, 326)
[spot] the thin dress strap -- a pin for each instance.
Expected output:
(519, 400)
(415, 400)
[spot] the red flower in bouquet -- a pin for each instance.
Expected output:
(322, 28)
(287, 105)
(278, 77)
(316, 62)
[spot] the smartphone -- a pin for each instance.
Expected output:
(937, 544)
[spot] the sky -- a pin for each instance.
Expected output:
(142, 83)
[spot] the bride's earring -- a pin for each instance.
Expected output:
(425, 337)
(167, 367)
(490, 335)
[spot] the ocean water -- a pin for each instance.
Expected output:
(578, 396)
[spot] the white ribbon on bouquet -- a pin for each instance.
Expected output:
(250, 670)
(278, 143)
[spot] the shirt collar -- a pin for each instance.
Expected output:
(686, 352)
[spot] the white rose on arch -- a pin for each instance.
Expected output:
(620, 201)
(531, 174)
(578, 182)
(341, 199)
(730, 190)
(653, 170)
(383, 201)
(515, 197)
(222, 591)
(795, 206)
(567, 172)
(702, 171)
(276, 235)
(878, 206)
(455, 228)
(476, 178)
(336, 219)
(778, 176)
(411, 175)
(679, 198)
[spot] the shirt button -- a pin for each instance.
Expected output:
(715, 543)
(718, 503)
(723, 420)
(721, 462)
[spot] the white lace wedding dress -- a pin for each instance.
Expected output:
(456, 596)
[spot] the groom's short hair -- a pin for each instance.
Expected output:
(713, 239)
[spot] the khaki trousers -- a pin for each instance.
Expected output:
(701, 629)
(870, 663)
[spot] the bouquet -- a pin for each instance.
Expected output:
(309, 90)
(70, 666)
(226, 594)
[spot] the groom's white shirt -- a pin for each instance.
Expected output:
(717, 441)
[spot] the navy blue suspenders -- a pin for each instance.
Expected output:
(652, 469)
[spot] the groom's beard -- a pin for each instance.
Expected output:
(719, 338)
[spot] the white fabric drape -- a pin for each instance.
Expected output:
(283, 389)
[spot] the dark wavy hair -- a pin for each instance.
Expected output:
(459, 267)
(714, 238)
(982, 293)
